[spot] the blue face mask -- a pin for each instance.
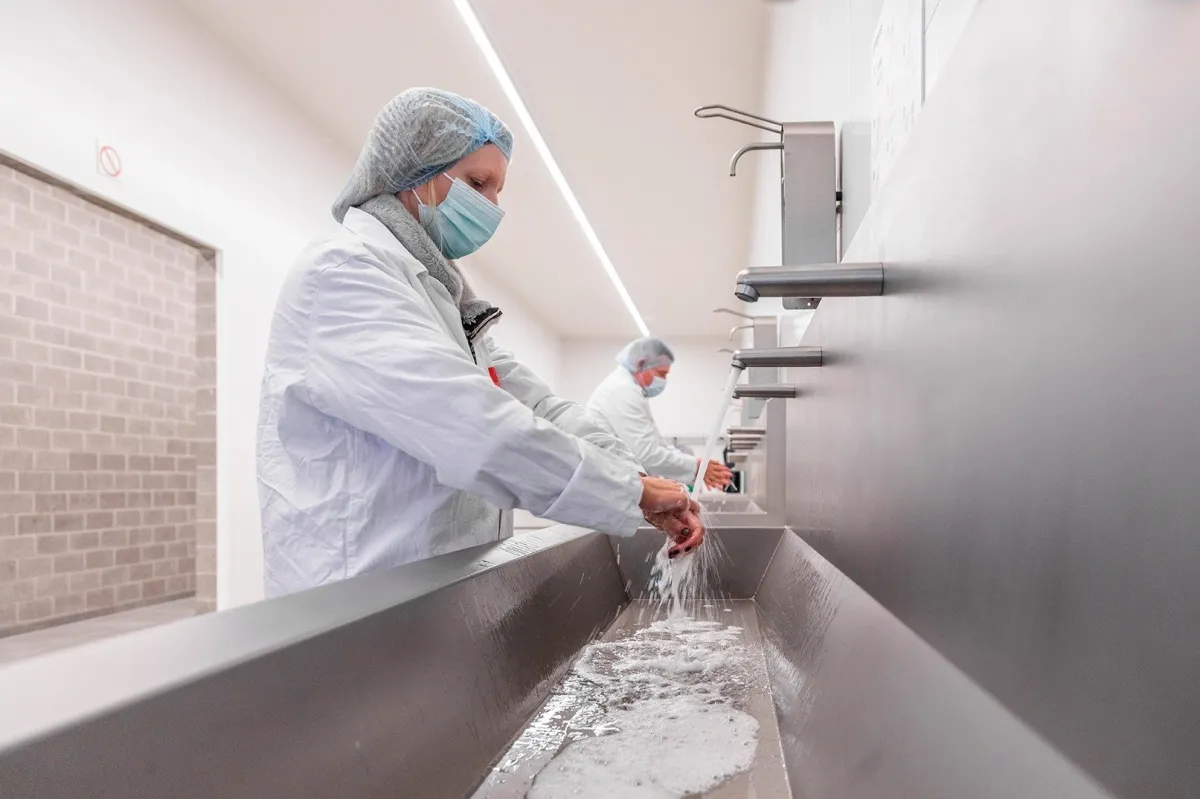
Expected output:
(656, 387)
(462, 223)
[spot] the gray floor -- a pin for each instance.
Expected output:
(27, 645)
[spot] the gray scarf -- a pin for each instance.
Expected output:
(408, 231)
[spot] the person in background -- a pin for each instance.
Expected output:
(623, 401)
(390, 427)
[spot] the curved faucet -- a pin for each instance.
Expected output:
(736, 328)
(778, 145)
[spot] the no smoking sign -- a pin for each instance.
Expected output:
(108, 161)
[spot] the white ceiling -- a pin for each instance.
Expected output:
(611, 86)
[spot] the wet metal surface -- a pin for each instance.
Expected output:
(747, 551)
(1004, 448)
(869, 711)
(399, 683)
(417, 681)
(729, 503)
(575, 711)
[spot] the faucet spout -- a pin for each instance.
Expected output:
(817, 280)
(767, 391)
(779, 356)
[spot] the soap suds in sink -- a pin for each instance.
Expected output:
(664, 716)
(666, 748)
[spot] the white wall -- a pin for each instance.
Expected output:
(685, 409)
(818, 66)
(945, 21)
(209, 150)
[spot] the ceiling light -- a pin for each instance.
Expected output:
(539, 144)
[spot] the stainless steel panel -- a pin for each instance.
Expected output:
(413, 682)
(869, 711)
(746, 553)
(766, 335)
(809, 193)
(729, 503)
(400, 683)
(855, 173)
(774, 464)
(1005, 452)
(764, 470)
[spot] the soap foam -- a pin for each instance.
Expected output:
(666, 748)
(680, 585)
(662, 717)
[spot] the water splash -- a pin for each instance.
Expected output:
(658, 708)
(678, 585)
(710, 444)
(665, 719)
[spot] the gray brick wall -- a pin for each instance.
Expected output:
(205, 434)
(106, 409)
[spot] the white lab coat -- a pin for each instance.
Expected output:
(622, 403)
(381, 442)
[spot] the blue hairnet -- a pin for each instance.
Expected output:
(645, 353)
(417, 136)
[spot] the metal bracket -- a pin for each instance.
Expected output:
(739, 116)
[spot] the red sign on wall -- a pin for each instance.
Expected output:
(108, 161)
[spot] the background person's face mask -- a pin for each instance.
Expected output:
(462, 223)
(656, 387)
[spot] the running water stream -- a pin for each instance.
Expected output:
(672, 702)
(710, 444)
(677, 585)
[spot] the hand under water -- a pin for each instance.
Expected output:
(666, 506)
(717, 475)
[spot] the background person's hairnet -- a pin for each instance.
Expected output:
(417, 136)
(651, 352)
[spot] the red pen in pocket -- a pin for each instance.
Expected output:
(485, 360)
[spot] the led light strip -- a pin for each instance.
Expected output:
(510, 90)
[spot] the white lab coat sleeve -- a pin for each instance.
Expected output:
(378, 360)
(570, 417)
(631, 419)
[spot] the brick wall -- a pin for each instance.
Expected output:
(205, 448)
(102, 321)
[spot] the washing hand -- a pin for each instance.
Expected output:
(666, 506)
(717, 475)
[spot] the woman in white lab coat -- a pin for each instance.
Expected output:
(390, 427)
(623, 401)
